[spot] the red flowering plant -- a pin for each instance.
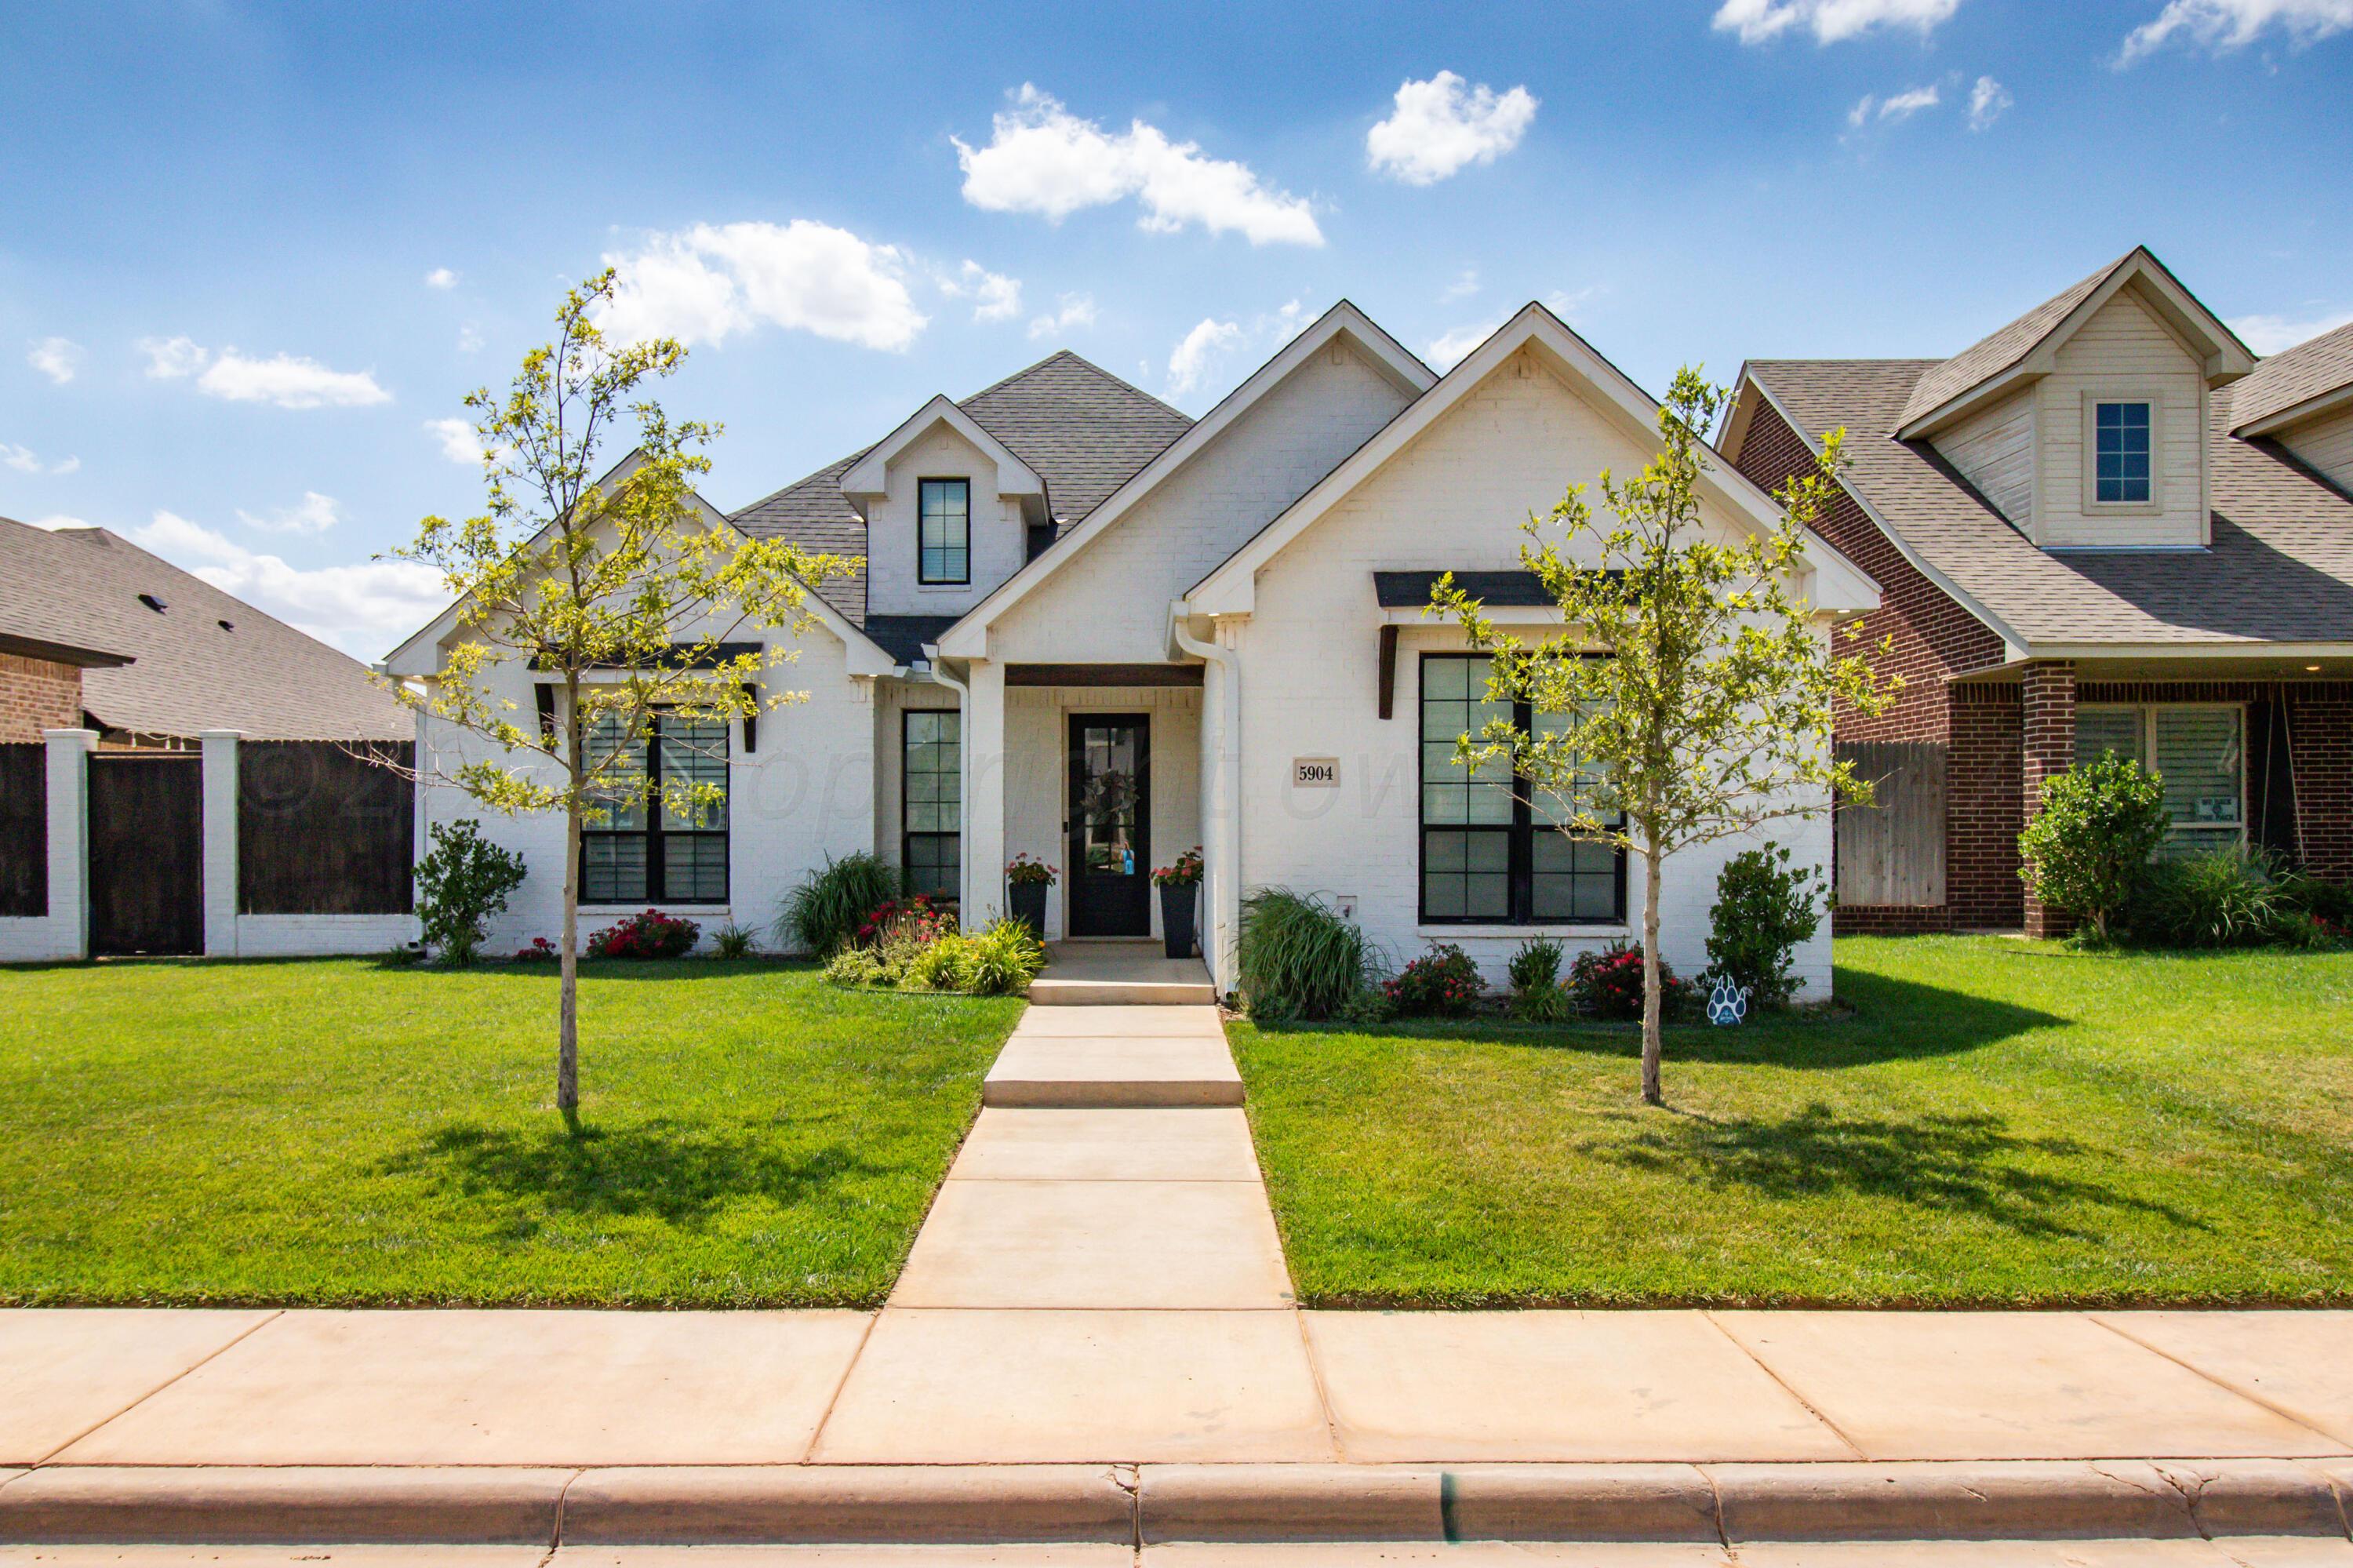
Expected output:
(541, 951)
(1608, 983)
(648, 935)
(1023, 868)
(914, 918)
(1441, 984)
(1186, 873)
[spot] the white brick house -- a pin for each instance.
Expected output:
(1075, 593)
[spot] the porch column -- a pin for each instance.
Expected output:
(2047, 745)
(67, 763)
(220, 827)
(983, 805)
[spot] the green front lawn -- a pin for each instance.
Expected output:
(339, 1131)
(1998, 1123)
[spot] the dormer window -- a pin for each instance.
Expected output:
(2121, 450)
(944, 541)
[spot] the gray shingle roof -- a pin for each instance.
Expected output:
(2310, 370)
(1999, 350)
(1082, 428)
(2281, 567)
(189, 674)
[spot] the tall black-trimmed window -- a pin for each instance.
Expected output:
(1487, 858)
(943, 531)
(649, 849)
(931, 804)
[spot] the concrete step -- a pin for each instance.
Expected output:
(1049, 991)
(1081, 1072)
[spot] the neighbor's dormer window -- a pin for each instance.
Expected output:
(2121, 431)
(944, 547)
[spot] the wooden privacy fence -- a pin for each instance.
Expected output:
(1892, 852)
(24, 829)
(323, 831)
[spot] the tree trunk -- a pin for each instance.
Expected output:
(1652, 1093)
(567, 1007)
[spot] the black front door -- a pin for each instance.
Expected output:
(1110, 826)
(146, 852)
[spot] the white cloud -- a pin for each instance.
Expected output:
(440, 278)
(1830, 20)
(1898, 107)
(1070, 312)
(1448, 347)
(363, 610)
(169, 359)
(994, 296)
(1987, 98)
(314, 513)
(24, 461)
(2221, 24)
(1041, 158)
(1463, 287)
(56, 358)
(707, 282)
(469, 339)
(1438, 128)
(1189, 362)
(1284, 323)
(285, 379)
(57, 520)
(458, 441)
(2269, 335)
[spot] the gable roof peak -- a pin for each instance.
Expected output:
(2312, 379)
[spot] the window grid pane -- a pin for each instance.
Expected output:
(2121, 452)
(943, 531)
(930, 850)
(657, 844)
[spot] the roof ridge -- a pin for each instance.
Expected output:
(1083, 362)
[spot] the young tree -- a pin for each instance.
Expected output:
(614, 591)
(1689, 695)
(2087, 847)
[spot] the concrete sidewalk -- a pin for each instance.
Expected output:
(1093, 1344)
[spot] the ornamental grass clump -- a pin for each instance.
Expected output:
(1537, 995)
(2218, 898)
(825, 912)
(1300, 958)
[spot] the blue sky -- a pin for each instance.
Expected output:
(250, 254)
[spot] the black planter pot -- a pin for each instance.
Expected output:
(1177, 919)
(1029, 900)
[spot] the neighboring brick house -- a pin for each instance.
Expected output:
(96, 633)
(2107, 527)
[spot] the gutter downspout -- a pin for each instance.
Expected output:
(963, 766)
(1226, 906)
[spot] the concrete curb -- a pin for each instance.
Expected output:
(1115, 1504)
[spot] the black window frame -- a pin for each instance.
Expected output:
(923, 490)
(656, 832)
(907, 835)
(1520, 834)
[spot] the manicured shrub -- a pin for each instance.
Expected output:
(937, 965)
(648, 934)
(1608, 983)
(1298, 958)
(1765, 909)
(2089, 848)
(1001, 959)
(855, 967)
(826, 910)
(2218, 898)
(1441, 984)
(731, 941)
(463, 880)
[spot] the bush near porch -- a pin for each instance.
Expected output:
(1998, 1123)
(341, 1131)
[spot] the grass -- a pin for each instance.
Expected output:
(344, 1132)
(1998, 1123)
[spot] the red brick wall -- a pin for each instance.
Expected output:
(2320, 750)
(1984, 811)
(35, 696)
(2046, 722)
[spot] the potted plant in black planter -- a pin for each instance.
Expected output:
(1028, 880)
(1178, 885)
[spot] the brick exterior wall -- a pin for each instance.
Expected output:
(2046, 723)
(37, 695)
(1984, 811)
(2320, 751)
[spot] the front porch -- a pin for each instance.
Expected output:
(1086, 973)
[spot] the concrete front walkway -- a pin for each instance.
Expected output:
(1095, 1344)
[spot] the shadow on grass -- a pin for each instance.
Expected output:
(505, 968)
(1967, 1163)
(677, 1172)
(1890, 1020)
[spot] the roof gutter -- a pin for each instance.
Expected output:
(1225, 857)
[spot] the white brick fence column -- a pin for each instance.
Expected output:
(68, 811)
(220, 842)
